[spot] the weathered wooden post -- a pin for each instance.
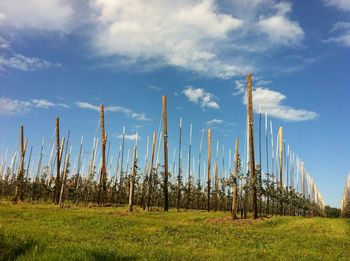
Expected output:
(234, 190)
(209, 165)
(58, 161)
(281, 168)
(251, 145)
(165, 130)
(102, 192)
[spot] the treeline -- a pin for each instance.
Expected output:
(285, 188)
(148, 192)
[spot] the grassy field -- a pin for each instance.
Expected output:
(44, 232)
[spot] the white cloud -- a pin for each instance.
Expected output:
(9, 107)
(272, 103)
(215, 122)
(343, 39)
(49, 15)
(186, 34)
(126, 111)
(239, 87)
(279, 28)
(155, 88)
(23, 63)
(199, 96)
(42, 103)
(342, 29)
(343, 5)
(131, 137)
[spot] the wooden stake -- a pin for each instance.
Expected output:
(251, 145)
(102, 192)
(234, 190)
(165, 130)
(58, 161)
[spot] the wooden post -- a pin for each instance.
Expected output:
(251, 145)
(165, 130)
(58, 161)
(132, 181)
(234, 190)
(19, 185)
(150, 180)
(209, 165)
(102, 192)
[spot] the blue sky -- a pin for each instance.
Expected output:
(64, 58)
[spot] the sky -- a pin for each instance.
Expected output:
(65, 58)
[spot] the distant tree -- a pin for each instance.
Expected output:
(332, 212)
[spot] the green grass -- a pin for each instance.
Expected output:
(45, 232)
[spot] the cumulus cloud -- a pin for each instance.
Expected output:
(280, 28)
(52, 15)
(199, 96)
(200, 36)
(271, 101)
(185, 34)
(126, 111)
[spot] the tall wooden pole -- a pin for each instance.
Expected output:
(251, 145)
(234, 190)
(209, 165)
(102, 192)
(150, 180)
(58, 161)
(165, 130)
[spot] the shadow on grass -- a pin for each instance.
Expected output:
(12, 247)
(108, 256)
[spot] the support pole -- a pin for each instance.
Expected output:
(165, 130)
